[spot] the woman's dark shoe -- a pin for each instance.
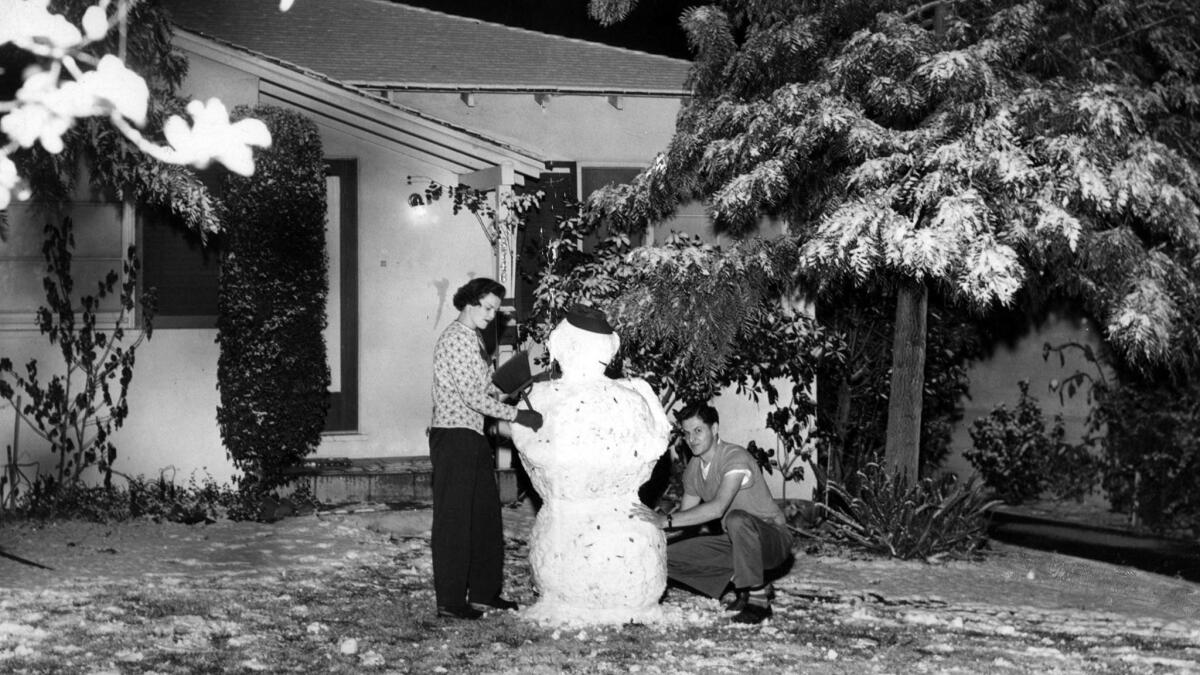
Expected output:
(465, 612)
(753, 613)
(497, 603)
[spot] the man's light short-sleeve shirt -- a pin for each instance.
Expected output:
(754, 497)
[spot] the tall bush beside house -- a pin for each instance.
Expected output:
(272, 372)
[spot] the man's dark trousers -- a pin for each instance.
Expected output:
(749, 547)
(468, 536)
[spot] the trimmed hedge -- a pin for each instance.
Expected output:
(272, 373)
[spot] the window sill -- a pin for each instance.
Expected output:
(343, 436)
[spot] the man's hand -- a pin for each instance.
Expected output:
(655, 518)
(529, 418)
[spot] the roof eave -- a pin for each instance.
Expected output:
(436, 87)
(458, 148)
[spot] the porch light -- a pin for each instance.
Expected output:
(416, 202)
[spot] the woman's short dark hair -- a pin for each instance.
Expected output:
(703, 411)
(472, 292)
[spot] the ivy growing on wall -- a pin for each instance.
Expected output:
(78, 408)
(272, 371)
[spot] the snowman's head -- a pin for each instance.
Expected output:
(583, 344)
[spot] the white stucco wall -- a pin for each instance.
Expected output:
(994, 381)
(410, 264)
(744, 420)
(30, 451)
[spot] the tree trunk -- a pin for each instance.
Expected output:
(903, 446)
(841, 430)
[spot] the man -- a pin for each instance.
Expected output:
(467, 538)
(723, 482)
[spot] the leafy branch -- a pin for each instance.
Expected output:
(78, 410)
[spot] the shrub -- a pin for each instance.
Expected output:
(138, 498)
(1020, 458)
(272, 371)
(158, 499)
(933, 519)
(1153, 450)
(1147, 424)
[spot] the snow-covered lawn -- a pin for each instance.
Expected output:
(352, 593)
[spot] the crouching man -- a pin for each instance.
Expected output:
(723, 482)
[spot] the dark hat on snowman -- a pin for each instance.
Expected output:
(590, 319)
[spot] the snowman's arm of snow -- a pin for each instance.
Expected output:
(662, 425)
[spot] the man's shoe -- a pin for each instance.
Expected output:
(753, 614)
(740, 598)
(465, 612)
(497, 603)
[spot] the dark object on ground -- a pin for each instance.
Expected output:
(23, 561)
(271, 509)
(466, 612)
(1171, 557)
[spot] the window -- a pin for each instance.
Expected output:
(182, 269)
(103, 230)
(592, 178)
(689, 218)
(559, 200)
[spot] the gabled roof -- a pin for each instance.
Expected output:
(377, 43)
(455, 151)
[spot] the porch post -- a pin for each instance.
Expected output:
(506, 245)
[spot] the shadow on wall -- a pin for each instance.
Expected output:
(1017, 356)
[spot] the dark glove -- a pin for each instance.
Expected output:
(529, 418)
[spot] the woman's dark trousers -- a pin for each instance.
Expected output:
(468, 537)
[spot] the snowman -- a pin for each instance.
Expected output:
(592, 562)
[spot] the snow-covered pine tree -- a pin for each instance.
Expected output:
(980, 147)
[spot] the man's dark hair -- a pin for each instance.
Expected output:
(474, 290)
(705, 412)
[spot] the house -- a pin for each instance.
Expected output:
(402, 96)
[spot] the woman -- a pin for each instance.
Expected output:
(468, 539)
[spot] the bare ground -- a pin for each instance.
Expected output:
(350, 593)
